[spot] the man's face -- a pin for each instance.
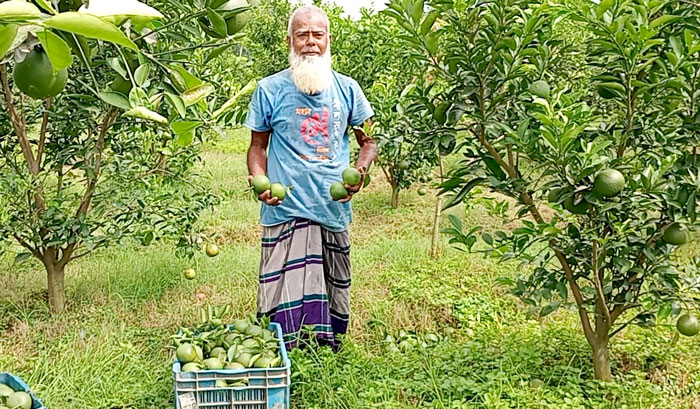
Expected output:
(310, 37)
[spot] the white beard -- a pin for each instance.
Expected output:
(311, 74)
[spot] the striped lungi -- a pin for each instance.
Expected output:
(305, 280)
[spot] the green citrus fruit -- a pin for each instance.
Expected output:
(422, 191)
(405, 346)
(241, 325)
(278, 190)
(191, 367)
(220, 383)
(404, 164)
(244, 359)
(190, 274)
(536, 383)
(235, 365)
(260, 183)
(676, 234)
(540, 88)
(352, 176)
(254, 331)
(262, 362)
(338, 191)
(186, 353)
(609, 182)
(212, 250)
(249, 343)
(580, 208)
(688, 325)
(214, 363)
(35, 76)
(216, 352)
(237, 23)
(554, 194)
(19, 400)
(5, 391)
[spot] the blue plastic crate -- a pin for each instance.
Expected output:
(268, 388)
(18, 384)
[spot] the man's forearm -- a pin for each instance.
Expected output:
(368, 154)
(257, 161)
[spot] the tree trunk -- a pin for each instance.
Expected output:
(601, 362)
(395, 196)
(56, 284)
(435, 247)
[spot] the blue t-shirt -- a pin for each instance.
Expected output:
(309, 147)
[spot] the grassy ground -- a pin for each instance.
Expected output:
(109, 350)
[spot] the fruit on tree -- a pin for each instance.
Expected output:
(35, 76)
(338, 191)
(404, 165)
(676, 234)
(540, 88)
(580, 208)
(190, 274)
(688, 325)
(609, 182)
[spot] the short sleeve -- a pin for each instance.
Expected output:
(360, 109)
(259, 111)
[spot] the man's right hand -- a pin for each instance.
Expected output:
(265, 196)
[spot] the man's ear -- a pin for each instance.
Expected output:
(289, 42)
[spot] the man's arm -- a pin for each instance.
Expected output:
(368, 154)
(257, 162)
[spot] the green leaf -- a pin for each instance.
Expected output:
(428, 22)
(177, 102)
(466, 189)
(21, 257)
(431, 42)
(18, 11)
(147, 114)
(218, 51)
(196, 94)
(115, 99)
(7, 36)
(665, 311)
(46, 6)
(218, 22)
(141, 74)
(663, 20)
(604, 6)
(417, 10)
(89, 26)
(550, 308)
(188, 80)
(185, 131)
(248, 89)
(57, 50)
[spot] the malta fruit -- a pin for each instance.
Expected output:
(422, 191)
(190, 274)
(278, 190)
(352, 176)
(214, 363)
(676, 234)
(5, 391)
(186, 353)
(338, 191)
(36, 78)
(212, 250)
(688, 325)
(241, 325)
(19, 400)
(404, 164)
(191, 367)
(580, 208)
(609, 182)
(234, 365)
(260, 183)
(540, 88)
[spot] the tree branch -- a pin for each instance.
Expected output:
(17, 122)
(27, 246)
(600, 298)
(42, 133)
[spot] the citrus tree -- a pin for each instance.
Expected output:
(101, 121)
(603, 193)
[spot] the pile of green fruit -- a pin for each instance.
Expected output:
(408, 341)
(261, 183)
(11, 399)
(214, 345)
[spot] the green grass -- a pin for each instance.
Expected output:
(110, 349)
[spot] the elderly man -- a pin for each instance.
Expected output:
(302, 114)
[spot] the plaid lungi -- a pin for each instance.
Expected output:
(304, 281)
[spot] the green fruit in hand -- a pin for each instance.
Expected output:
(540, 88)
(35, 76)
(422, 191)
(214, 363)
(688, 325)
(338, 191)
(220, 383)
(5, 391)
(609, 182)
(278, 190)
(212, 250)
(676, 234)
(19, 400)
(235, 365)
(260, 183)
(352, 176)
(191, 367)
(580, 208)
(241, 326)
(186, 353)
(190, 274)
(254, 331)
